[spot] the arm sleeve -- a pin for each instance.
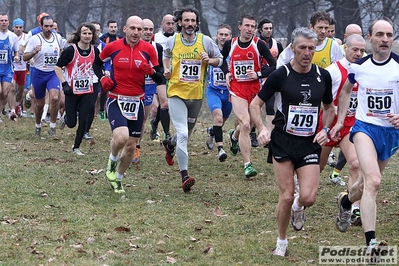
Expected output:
(273, 84)
(160, 52)
(97, 64)
(327, 97)
(212, 49)
(265, 53)
(66, 57)
(225, 53)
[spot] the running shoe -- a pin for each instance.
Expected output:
(254, 139)
(18, 110)
(102, 116)
(38, 131)
(187, 183)
(77, 151)
(170, 152)
(4, 112)
(117, 186)
(52, 133)
(234, 148)
(222, 155)
(249, 171)
(355, 217)
(61, 122)
(111, 170)
(28, 101)
(87, 136)
(298, 219)
(281, 250)
(336, 180)
(136, 158)
(154, 128)
(332, 160)
(210, 139)
(12, 116)
(168, 136)
(343, 220)
(375, 250)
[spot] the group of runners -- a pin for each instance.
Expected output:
(318, 95)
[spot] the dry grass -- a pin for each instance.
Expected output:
(58, 209)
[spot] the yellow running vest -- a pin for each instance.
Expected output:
(322, 58)
(188, 71)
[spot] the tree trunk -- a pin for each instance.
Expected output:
(345, 12)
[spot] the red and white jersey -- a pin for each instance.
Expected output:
(79, 73)
(242, 59)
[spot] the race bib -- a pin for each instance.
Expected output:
(82, 85)
(379, 101)
(50, 60)
(129, 106)
(190, 70)
(148, 80)
(352, 104)
(302, 120)
(240, 69)
(219, 79)
(3, 57)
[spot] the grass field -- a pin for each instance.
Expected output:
(58, 209)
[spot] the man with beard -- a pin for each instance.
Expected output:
(45, 48)
(186, 57)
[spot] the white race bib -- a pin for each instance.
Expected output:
(82, 85)
(190, 70)
(3, 57)
(379, 101)
(219, 79)
(302, 120)
(50, 60)
(129, 106)
(240, 69)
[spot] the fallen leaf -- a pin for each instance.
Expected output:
(193, 239)
(170, 260)
(208, 221)
(122, 229)
(217, 212)
(150, 201)
(209, 250)
(76, 246)
(90, 239)
(44, 194)
(79, 250)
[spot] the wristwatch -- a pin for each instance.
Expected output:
(327, 129)
(259, 74)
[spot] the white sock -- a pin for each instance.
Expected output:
(39, 125)
(355, 206)
(119, 176)
(114, 158)
(52, 125)
(45, 110)
(283, 241)
(295, 205)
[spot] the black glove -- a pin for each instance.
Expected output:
(66, 88)
(157, 77)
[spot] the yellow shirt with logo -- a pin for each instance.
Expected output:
(188, 71)
(322, 58)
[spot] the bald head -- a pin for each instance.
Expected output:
(133, 30)
(354, 38)
(148, 30)
(168, 24)
(133, 19)
(352, 29)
